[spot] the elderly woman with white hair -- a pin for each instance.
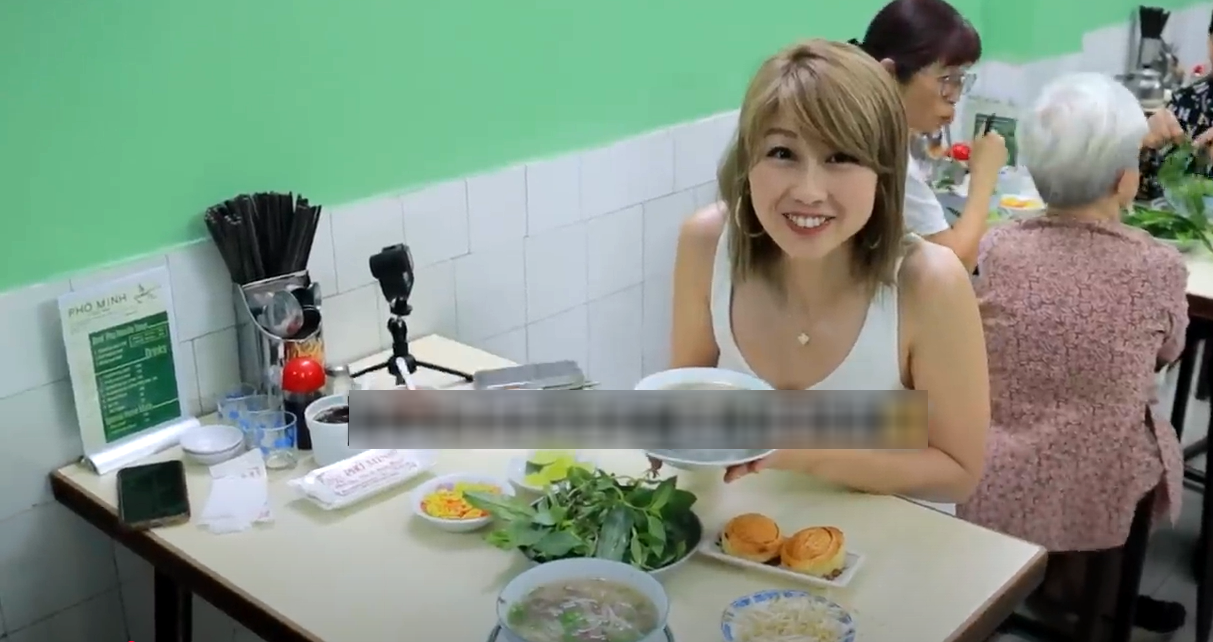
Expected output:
(1079, 313)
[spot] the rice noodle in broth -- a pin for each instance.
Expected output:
(786, 620)
(583, 610)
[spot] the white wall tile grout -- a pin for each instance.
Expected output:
(564, 257)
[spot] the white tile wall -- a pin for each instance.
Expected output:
(564, 258)
(546, 260)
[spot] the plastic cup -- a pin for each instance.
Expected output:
(273, 432)
(228, 403)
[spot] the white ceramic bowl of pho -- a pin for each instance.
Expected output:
(560, 600)
(701, 379)
(704, 379)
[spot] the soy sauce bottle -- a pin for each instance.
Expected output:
(303, 381)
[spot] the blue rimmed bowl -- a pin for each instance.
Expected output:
(832, 615)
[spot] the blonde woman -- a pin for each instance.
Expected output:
(804, 275)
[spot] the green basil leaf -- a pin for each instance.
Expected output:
(501, 538)
(656, 528)
(578, 476)
(614, 534)
(663, 493)
(680, 503)
(556, 544)
(636, 548)
(640, 496)
(506, 508)
(524, 535)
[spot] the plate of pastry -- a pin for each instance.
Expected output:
(815, 555)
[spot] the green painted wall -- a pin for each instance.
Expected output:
(121, 120)
(1019, 31)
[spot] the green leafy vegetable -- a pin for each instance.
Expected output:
(1170, 226)
(1179, 176)
(1185, 191)
(643, 522)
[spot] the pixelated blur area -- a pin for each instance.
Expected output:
(638, 419)
(906, 420)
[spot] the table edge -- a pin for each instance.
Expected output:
(168, 559)
(270, 624)
(1200, 307)
(984, 623)
(981, 625)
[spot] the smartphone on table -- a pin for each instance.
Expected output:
(153, 495)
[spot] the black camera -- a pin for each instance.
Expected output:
(393, 268)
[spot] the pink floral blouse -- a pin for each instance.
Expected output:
(1078, 316)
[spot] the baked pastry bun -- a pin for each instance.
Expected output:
(819, 551)
(752, 537)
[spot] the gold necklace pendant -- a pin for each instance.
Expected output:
(802, 338)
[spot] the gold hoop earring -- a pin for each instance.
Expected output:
(740, 223)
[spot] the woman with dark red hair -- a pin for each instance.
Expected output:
(928, 47)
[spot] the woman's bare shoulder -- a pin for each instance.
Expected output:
(931, 273)
(700, 233)
(705, 226)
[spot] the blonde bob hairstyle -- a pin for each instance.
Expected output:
(841, 98)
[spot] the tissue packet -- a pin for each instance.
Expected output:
(364, 475)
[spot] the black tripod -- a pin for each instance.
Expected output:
(393, 268)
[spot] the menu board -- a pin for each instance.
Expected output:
(120, 339)
(136, 379)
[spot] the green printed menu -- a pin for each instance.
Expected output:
(136, 375)
(1005, 127)
(120, 338)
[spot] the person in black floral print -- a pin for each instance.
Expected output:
(1188, 115)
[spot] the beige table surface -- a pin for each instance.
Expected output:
(1200, 275)
(374, 573)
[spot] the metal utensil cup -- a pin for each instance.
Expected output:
(262, 354)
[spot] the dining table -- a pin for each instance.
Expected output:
(376, 572)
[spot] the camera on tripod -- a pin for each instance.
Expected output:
(394, 269)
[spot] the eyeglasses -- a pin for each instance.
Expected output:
(953, 86)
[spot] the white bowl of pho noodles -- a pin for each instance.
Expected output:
(583, 600)
(686, 379)
(701, 379)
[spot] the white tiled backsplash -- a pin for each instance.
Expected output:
(566, 258)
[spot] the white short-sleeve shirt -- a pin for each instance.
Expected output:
(923, 212)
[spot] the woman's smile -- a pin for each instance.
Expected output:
(807, 224)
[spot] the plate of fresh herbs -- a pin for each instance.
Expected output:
(1181, 219)
(1187, 191)
(1171, 227)
(645, 522)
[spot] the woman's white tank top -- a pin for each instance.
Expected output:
(874, 362)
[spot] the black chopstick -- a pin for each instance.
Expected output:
(313, 222)
(291, 253)
(264, 234)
